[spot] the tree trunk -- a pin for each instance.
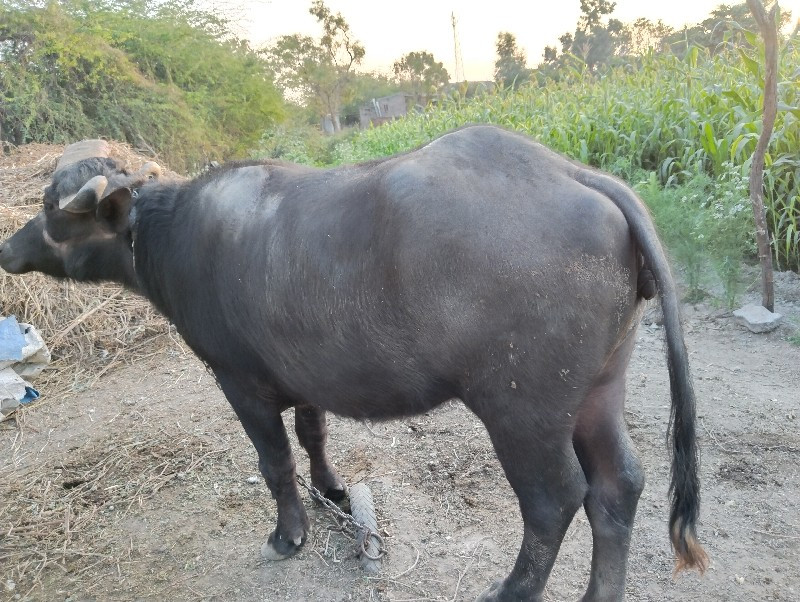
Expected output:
(769, 31)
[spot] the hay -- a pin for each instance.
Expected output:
(89, 328)
(53, 516)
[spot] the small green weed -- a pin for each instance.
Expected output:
(794, 338)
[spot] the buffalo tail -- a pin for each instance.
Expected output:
(684, 489)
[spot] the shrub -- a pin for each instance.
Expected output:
(163, 76)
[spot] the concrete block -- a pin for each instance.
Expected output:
(757, 318)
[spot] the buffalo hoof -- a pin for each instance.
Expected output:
(336, 494)
(500, 591)
(277, 548)
(490, 593)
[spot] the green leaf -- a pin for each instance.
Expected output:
(691, 57)
(751, 37)
(710, 143)
(736, 97)
(750, 63)
(782, 106)
(735, 146)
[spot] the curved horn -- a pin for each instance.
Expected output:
(121, 180)
(149, 169)
(86, 198)
(85, 149)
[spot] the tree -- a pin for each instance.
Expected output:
(726, 25)
(342, 51)
(566, 42)
(644, 35)
(319, 70)
(510, 67)
(550, 54)
(593, 11)
(767, 23)
(421, 72)
(166, 76)
(594, 42)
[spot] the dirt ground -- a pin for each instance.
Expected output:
(137, 489)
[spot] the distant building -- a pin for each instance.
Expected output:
(387, 108)
(381, 110)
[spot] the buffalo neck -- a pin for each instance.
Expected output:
(153, 243)
(193, 270)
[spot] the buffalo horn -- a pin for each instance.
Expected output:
(85, 149)
(86, 198)
(151, 168)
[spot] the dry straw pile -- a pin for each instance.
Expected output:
(89, 328)
(55, 517)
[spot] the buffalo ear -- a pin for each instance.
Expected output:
(113, 210)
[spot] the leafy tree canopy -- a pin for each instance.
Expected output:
(642, 36)
(166, 76)
(510, 68)
(593, 11)
(318, 71)
(725, 25)
(594, 41)
(598, 43)
(421, 72)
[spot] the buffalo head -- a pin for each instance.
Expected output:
(82, 230)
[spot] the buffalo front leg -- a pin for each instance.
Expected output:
(259, 413)
(312, 432)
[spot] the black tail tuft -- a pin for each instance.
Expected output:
(684, 485)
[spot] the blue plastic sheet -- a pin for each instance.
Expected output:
(30, 395)
(11, 340)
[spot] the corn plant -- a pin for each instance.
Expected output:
(676, 117)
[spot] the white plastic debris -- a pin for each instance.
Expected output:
(23, 355)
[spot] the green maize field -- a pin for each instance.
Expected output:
(669, 118)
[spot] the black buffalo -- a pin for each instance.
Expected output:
(481, 266)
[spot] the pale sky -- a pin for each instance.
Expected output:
(388, 30)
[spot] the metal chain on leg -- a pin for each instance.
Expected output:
(346, 521)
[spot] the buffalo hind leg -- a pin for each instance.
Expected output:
(614, 475)
(260, 414)
(312, 432)
(544, 472)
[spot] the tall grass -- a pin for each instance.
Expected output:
(708, 226)
(677, 118)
